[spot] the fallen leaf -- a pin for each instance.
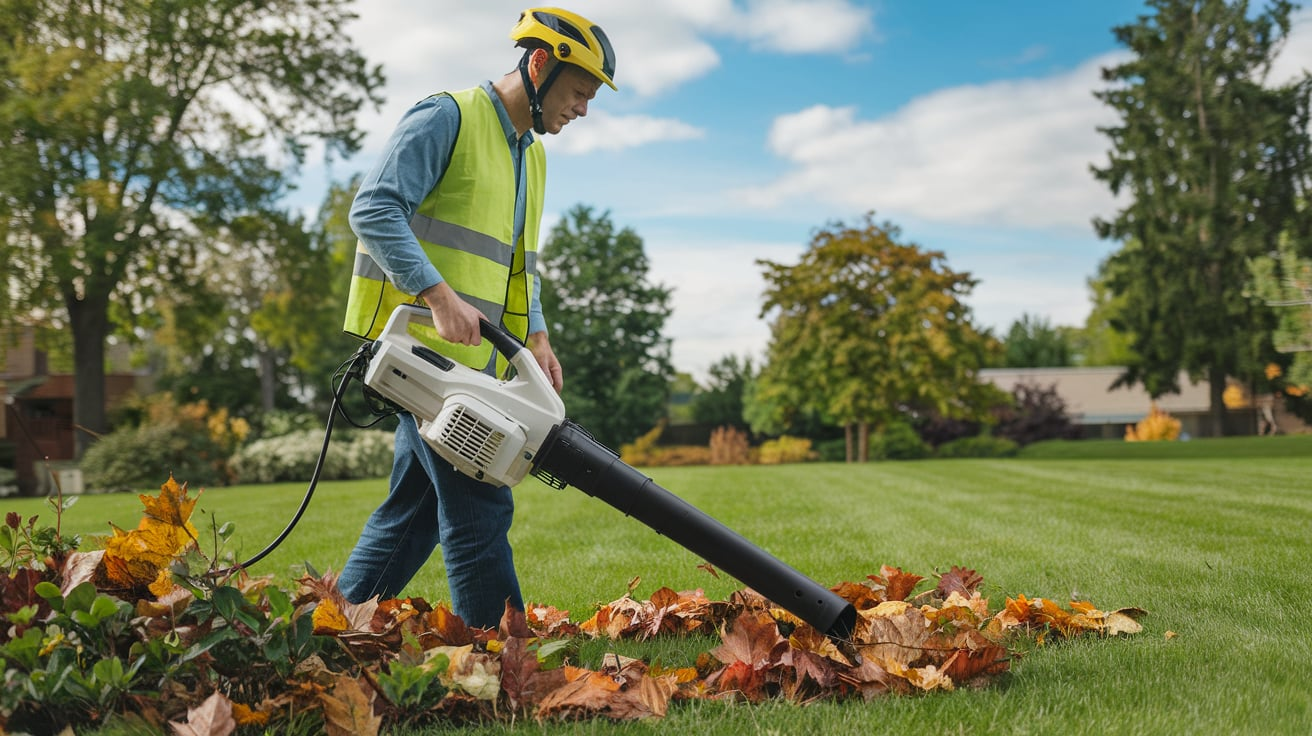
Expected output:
(898, 584)
(958, 580)
(134, 559)
(213, 717)
(348, 711)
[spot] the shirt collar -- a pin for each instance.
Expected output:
(506, 126)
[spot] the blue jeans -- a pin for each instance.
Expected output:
(430, 503)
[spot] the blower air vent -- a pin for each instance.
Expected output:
(470, 438)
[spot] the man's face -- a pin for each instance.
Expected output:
(568, 98)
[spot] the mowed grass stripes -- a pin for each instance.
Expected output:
(1214, 545)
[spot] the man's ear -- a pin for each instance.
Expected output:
(537, 61)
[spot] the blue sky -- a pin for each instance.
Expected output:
(741, 126)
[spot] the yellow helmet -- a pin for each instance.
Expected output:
(570, 37)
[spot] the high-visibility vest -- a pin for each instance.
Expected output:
(466, 226)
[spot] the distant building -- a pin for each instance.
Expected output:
(1102, 411)
(37, 431)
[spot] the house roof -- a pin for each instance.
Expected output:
(1089, 398)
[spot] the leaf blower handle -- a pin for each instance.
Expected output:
(505, 343)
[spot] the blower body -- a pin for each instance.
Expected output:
(499, 431)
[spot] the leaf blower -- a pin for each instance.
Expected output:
(499, 431)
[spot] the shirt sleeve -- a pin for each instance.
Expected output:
(412, 163)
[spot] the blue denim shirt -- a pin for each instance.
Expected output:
(410, 166)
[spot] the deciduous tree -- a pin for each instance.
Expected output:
(127, 128)
(1212, 161)
(866, 329)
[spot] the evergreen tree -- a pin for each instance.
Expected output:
(1213, 162)
(1032, 342)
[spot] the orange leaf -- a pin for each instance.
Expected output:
(899, 584)
(244, 715)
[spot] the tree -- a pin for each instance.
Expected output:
(1284, 280)
(865, 330)
(129, 129)
(246, 328)
(720, 402)
(1214, 163)
(1098, 342)
(1032, 342)
(605, 320)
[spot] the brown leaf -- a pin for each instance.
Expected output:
(213, 717)
(860, 595)
(966, 665)
(80, 567)
(519, 664)
(514, 623)
(892, 632)
(623, 691)
(348, 711)
(549, 621)
(869, 679)
(958, 580)
(753, 639)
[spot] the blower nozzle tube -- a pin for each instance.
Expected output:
(570, 455)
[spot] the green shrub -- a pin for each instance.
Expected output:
(980, 446)
(352, 454)
(898, 441)
(137, 458)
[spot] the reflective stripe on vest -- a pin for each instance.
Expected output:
(465, 226)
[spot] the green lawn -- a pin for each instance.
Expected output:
(1215, 545)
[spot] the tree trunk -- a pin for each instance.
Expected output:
(268, 378)
(863, 438)
(89, 318)
(1216, 400)
(847, 437)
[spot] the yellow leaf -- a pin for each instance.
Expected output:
(135, 559)
(327, 619)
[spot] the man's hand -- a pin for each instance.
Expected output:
(456, 320)
(537, 342)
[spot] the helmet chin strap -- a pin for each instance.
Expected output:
(536, 92)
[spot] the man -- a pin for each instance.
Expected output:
(449, 218)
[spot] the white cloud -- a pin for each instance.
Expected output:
(803, 27)
(1296, 57)
(601, 131)
(1005, 153)
(717, 297)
